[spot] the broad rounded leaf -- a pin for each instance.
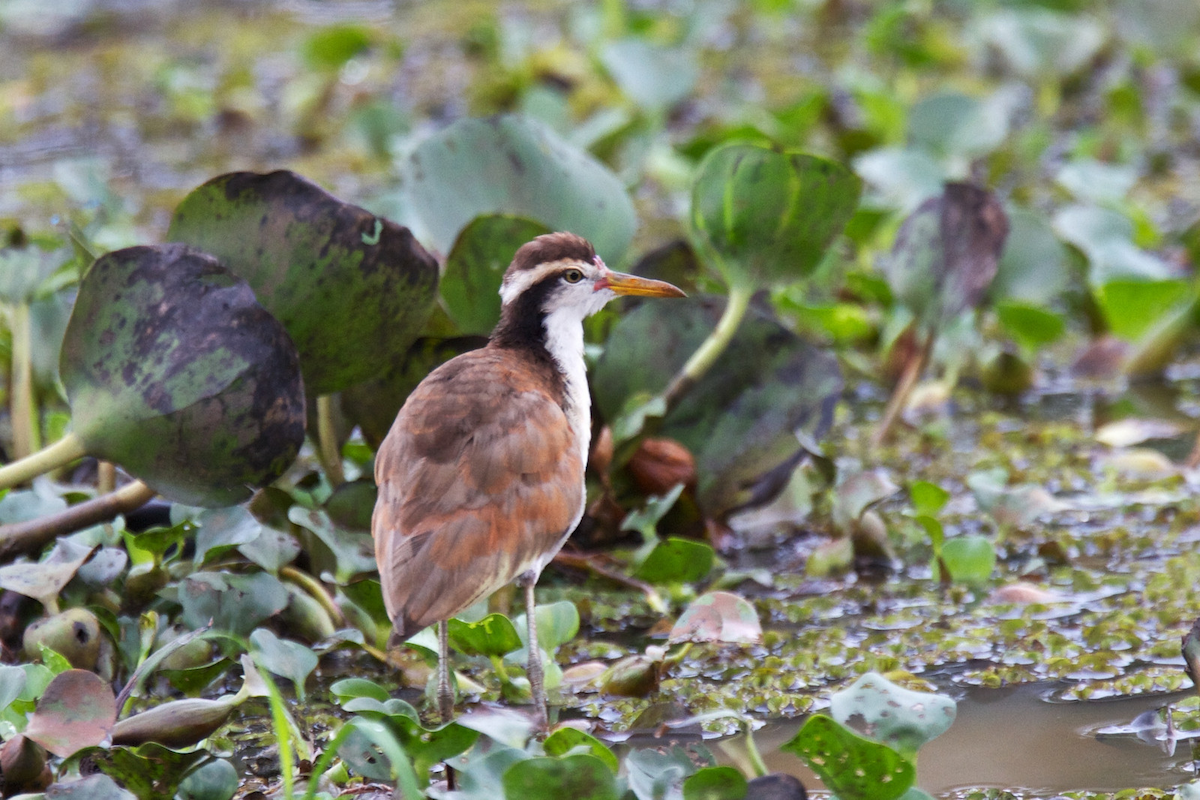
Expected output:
(216, 780)
(718, 617)
(970, 558)
(77, 710)
(1033, 266)
(475, 266)
(565, 739)
(898, 717)
(175, 372)
(580, 777)
(234, 603)
(284, 657)
(848, 764)
(150, 771)
(351, 288)
(676, 560)
(764, 217)
(494, 635)
(715, 783)
(514, 165)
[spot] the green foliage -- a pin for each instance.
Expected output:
(852, 766)
(475, 265)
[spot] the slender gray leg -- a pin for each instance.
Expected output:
(537, 685)
(444, 692)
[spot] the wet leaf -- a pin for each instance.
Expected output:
(234, 603)
(718, 617)
(494, 635)
(1106, 238)
(653, 774)
(215, 780)
(77, 710)
(288, 659)
(832, 557)
(192, 680)
(946, 253)
(970, 558)
(477, 261)
(903, 177)
(557, 624)
(45, 580)
(514, 165)
(583, 777)
(348, 688)
(848, 764)
(631, 676)
(501, 725)
(740, 420)
(151, 771)
(1097, 182)
(900, 718)
(715, 783)
(566, 739)
(764, 218)
(351, 288)
(175, 372)
(676, 560)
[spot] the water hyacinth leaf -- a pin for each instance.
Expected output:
(475, 265)
(557, 624)
(223, 529)
(954, 124)
(566, 739)
(848, 764)
(429, 746)
(740, 419)
(501, 725)
(898, 717)
(1033, 266)
(76, 710)
(151, 771)
(176, 723)
(175, 372)
(234, 603)
(44, 580)
(352, 553)
(970, 558)
(1190, 650)
(193, 680)
(364, 757)
(494, 635)
(858, 493)
(583, 777)
(351, 288)
(1094, 181)
(676, 560)
(484, 771)
(653, 774)
(328, 49)
(288, 659)
(93, 787)
(27, 504)
(651, 75)
(1132, 307)
(718, 617)
(514, 165)
(946, 253)
(373, 404)
(12, 683)
(348, 688)
(1032, 327)
(715, 783)
(900, 177)
(271, 549)
(215, 780)
(1039, 44)
(764, 218)
(1105, 236)
(927, 498)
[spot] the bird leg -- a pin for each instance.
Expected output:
(533, 669)
(445, 694)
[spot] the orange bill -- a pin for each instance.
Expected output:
(622, 283)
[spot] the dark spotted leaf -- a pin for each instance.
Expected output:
(175, 372)
(514, 165)
(351, 288)
(581, 777)
(77, 710)
(93, 787)
(150, 771)
(765, 218)
(848, 764)
(898, 717)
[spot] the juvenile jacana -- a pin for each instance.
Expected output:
(481, 475)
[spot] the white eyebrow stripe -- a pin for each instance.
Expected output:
(518, 283)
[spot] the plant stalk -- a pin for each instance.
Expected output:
(21, 405)
(316, 590)
(327, 443)
(106, 477)
(59, 454)
(756, 759)
(904, 387)
(711, 349)
(29, 537)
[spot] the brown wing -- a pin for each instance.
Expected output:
(478, 477)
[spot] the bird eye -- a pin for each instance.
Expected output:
(572, 276)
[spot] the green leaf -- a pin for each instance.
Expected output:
(330, 48)
(653, 774)
(352, 552)
(93, 787)
(900, 718)
(1039, 44)
(150, 771)
(953, 124)
(1031, 326)
(12, 683)
(764, 218)
(718, 617)
(1033, 267)
(348, 688)
(223, 529)
(494, 635)
(653, 76)
(1133, 307)
(351, 288)
(851, 766)
(283, 657)
(859, 492)
(234, 603)
(514, 165)
(564, 740)
(970, 558)
(927, 498)
(715, 783)
(175, 372)
(676, 560)
(481, 254)
(215, 780)
(1106, 238)
(580, 777)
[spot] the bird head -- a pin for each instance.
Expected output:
(560, 273)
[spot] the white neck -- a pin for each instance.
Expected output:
(564, 342)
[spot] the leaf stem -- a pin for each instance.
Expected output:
(21, 404)
(30, 536)
(316, 590)
(327, 443)
(59, 454)
(904, 387)
(711, 349)
(756, 759)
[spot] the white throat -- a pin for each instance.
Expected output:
(564, 342)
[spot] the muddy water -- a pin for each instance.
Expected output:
(1012, 738)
